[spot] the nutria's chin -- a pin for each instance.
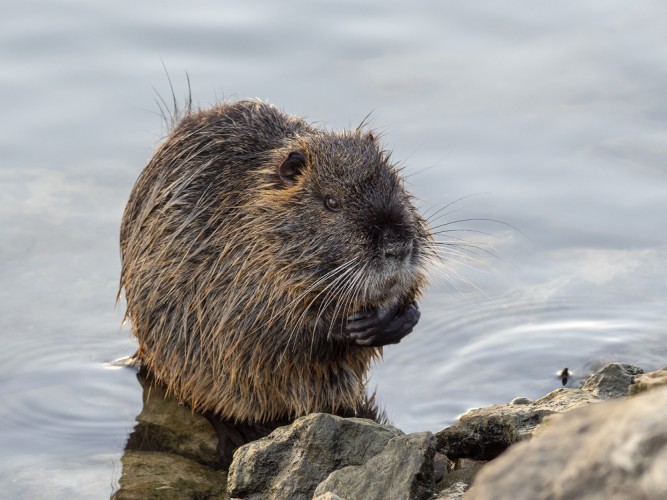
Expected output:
(266, 262)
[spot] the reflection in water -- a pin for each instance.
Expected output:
(171, 449)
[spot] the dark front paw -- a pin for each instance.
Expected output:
(381, 326)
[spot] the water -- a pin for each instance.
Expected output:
(549, 118)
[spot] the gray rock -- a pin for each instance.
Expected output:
(327, 496)
(612, 450)
(441, 466)
(464, 472)
(453, 492)
(612, 381)
(403, 470)
(293, 460)
(648, 381)
(482, 434)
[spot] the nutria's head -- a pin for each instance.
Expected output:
(341, 211)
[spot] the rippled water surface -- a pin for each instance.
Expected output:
(548, 118)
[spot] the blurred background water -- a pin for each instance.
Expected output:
(548, 117)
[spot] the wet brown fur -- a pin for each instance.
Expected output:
(235, 281)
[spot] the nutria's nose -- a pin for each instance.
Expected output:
(392, 232)
(396, 241)
(399, 250)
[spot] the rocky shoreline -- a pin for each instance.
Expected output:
(573, 442)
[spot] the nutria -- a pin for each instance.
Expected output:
(266, 262)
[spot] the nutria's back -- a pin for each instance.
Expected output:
(266, 261)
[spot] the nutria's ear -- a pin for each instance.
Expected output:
(292, 167)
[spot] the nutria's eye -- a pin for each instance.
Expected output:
(331, 203)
